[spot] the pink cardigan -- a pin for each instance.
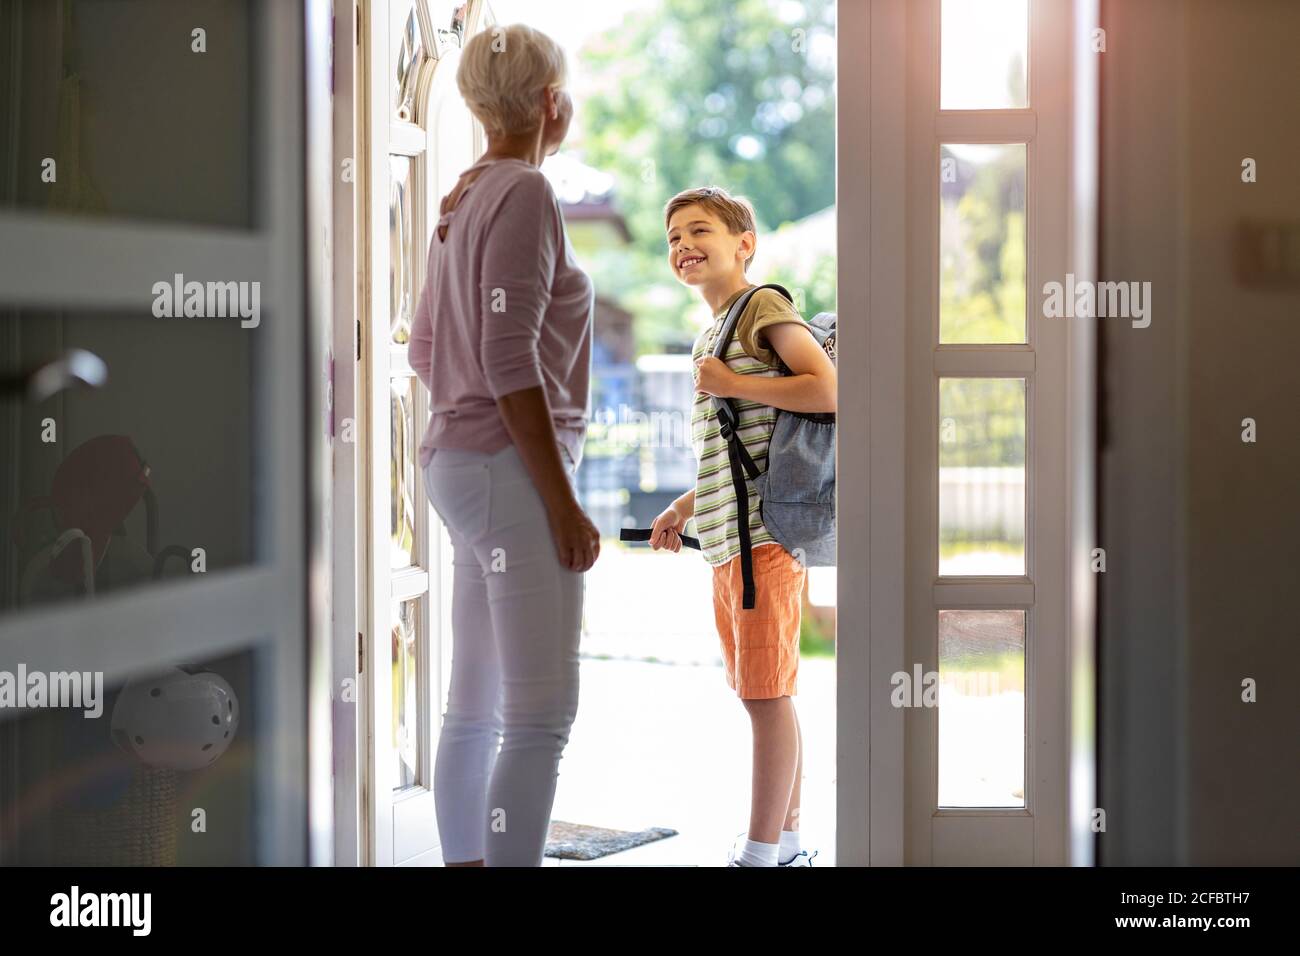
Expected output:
(504, 307)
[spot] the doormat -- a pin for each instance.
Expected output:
(577, 841)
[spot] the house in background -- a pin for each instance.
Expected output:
(638, 456)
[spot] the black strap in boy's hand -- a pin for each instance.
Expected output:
(643, 534)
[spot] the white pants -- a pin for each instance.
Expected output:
(516, 617)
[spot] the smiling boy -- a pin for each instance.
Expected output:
(773, 362)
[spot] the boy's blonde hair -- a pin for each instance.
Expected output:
(735, 212)
(502, 73)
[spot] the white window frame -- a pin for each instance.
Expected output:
(889, 139)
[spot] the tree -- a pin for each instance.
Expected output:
(737, 93)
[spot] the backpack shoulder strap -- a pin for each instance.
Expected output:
(736, 311)
(739, 458)
(724, 409)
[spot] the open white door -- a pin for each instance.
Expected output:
(954, 200)
(988, 532)
(420, 136)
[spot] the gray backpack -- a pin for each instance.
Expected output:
(797, 491)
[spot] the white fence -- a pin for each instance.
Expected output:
(982, 503)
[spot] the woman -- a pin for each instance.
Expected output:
(502, 339)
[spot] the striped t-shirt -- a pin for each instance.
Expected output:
(748, 353)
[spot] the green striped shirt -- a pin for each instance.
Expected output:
(716, 508)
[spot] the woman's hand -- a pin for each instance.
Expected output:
(667, 530)
(715, 378)
(528, 420)
(577, 541)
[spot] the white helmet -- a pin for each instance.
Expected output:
(176, 718)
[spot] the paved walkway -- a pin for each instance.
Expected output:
(654, 605)
(649, 605)
(669, 745)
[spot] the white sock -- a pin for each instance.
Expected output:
(753, 853)
(790, 845)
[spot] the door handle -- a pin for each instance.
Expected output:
(74, 367)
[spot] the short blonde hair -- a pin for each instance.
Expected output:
(502, 73)
(735, 212)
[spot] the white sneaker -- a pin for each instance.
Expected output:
(802, 858)
(733, 853)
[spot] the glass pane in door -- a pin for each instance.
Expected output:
(140, 480)
(981, 476)
(406, 698)
(409, 55)
(981, 244)
(404, 451)
(451, 128)
(984, 51)
(115, 779)
(448, 23)
(981, 709)
(117, 109)
(401, 288)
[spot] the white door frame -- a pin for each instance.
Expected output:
(1082, 449)
(374, 432)
(345, 353)
(888, 135)
(375, 826)
(869, 462)
(1034, 834)
(356, 452)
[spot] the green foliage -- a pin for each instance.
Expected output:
(697, 92)
(982, 264)
(818, 287)
(815, 640)
(988, 422)
(982, 300)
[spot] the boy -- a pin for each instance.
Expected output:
(711, 242)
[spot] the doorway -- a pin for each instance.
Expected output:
(664, 658)
(964, 432)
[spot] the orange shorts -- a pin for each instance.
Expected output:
(760, 646)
